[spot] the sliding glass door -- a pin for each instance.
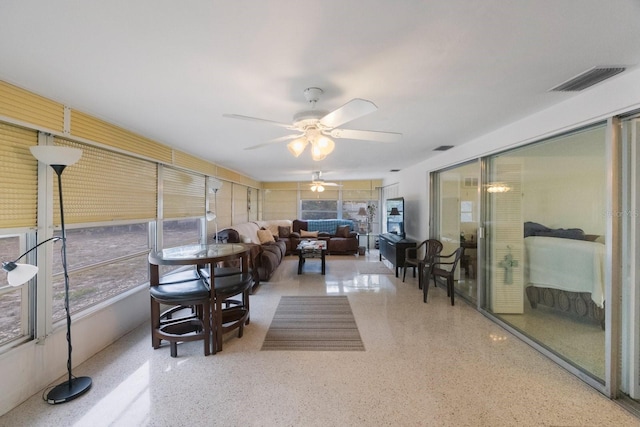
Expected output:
(545, 229)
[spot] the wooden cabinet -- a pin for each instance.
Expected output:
(392, 248)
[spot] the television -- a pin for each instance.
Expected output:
(395, 216)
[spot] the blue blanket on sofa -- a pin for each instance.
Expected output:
(328, 225)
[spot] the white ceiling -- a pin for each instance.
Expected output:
(440, 72)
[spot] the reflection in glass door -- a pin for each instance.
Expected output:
(545, 231)
(458, 213)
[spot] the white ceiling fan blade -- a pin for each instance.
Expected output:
(286, 138)
(325, 184)
(264, 144)
(274, 141)
(367, 135)
(255, 119)
(350, 111)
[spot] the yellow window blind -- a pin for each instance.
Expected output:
(313, 195)
(280, 204)
(19, 177)
(223, 212)
(359, 195)
(240, 213)
(183, 194)
(106, 186)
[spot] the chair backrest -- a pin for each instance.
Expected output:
(458, 254)
(451, 259)
(432, 248)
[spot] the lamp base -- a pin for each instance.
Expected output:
(69, 390)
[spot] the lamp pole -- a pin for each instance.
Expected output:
(74, 386)
(59, 158)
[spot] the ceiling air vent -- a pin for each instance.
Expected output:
(443, 148)
(587, 79)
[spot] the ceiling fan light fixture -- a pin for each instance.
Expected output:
(316, 152)
(317, 188)
(325, 145)
(297, 146)
(321, 147)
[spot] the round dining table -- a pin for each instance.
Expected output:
(207, 258)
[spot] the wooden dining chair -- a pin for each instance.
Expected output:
(443, 266)
(432, 248)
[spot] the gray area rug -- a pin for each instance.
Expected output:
(313, 323)
(373, 268)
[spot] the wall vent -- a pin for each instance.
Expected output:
(587, 79)
(443, 148)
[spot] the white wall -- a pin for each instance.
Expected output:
(30, 367)
(621, 94)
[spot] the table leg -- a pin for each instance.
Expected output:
(218, 325)
(323, 262)
(300, 260)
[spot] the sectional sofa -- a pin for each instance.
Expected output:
(339, 233)
(271, 240)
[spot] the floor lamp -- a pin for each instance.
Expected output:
(214, 186)
(362, 212)
(59, 158)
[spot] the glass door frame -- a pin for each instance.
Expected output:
(435, 220)
(630, 230)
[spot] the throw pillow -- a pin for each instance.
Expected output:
(343, 231)
(284, 231)
(305, 233)
(265, 236)
(273, 228)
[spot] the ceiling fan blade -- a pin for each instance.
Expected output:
(264, 144)
(286, 138)
(367, 135)
(350, 111)
(255, 119)
(274, 141)
(325, 184)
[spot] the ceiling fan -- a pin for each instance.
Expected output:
(318, 184)
(317, 127)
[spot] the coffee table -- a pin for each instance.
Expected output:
(311, 249)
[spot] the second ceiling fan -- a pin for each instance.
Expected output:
(317, 127)
(318, 184)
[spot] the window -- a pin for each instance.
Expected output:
(353, 209)
(466, 211)
(13, 305)
(350, 210)
(184, 231)
(102, 262)
(319, 209)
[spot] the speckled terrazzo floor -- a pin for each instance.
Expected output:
(424, 365)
